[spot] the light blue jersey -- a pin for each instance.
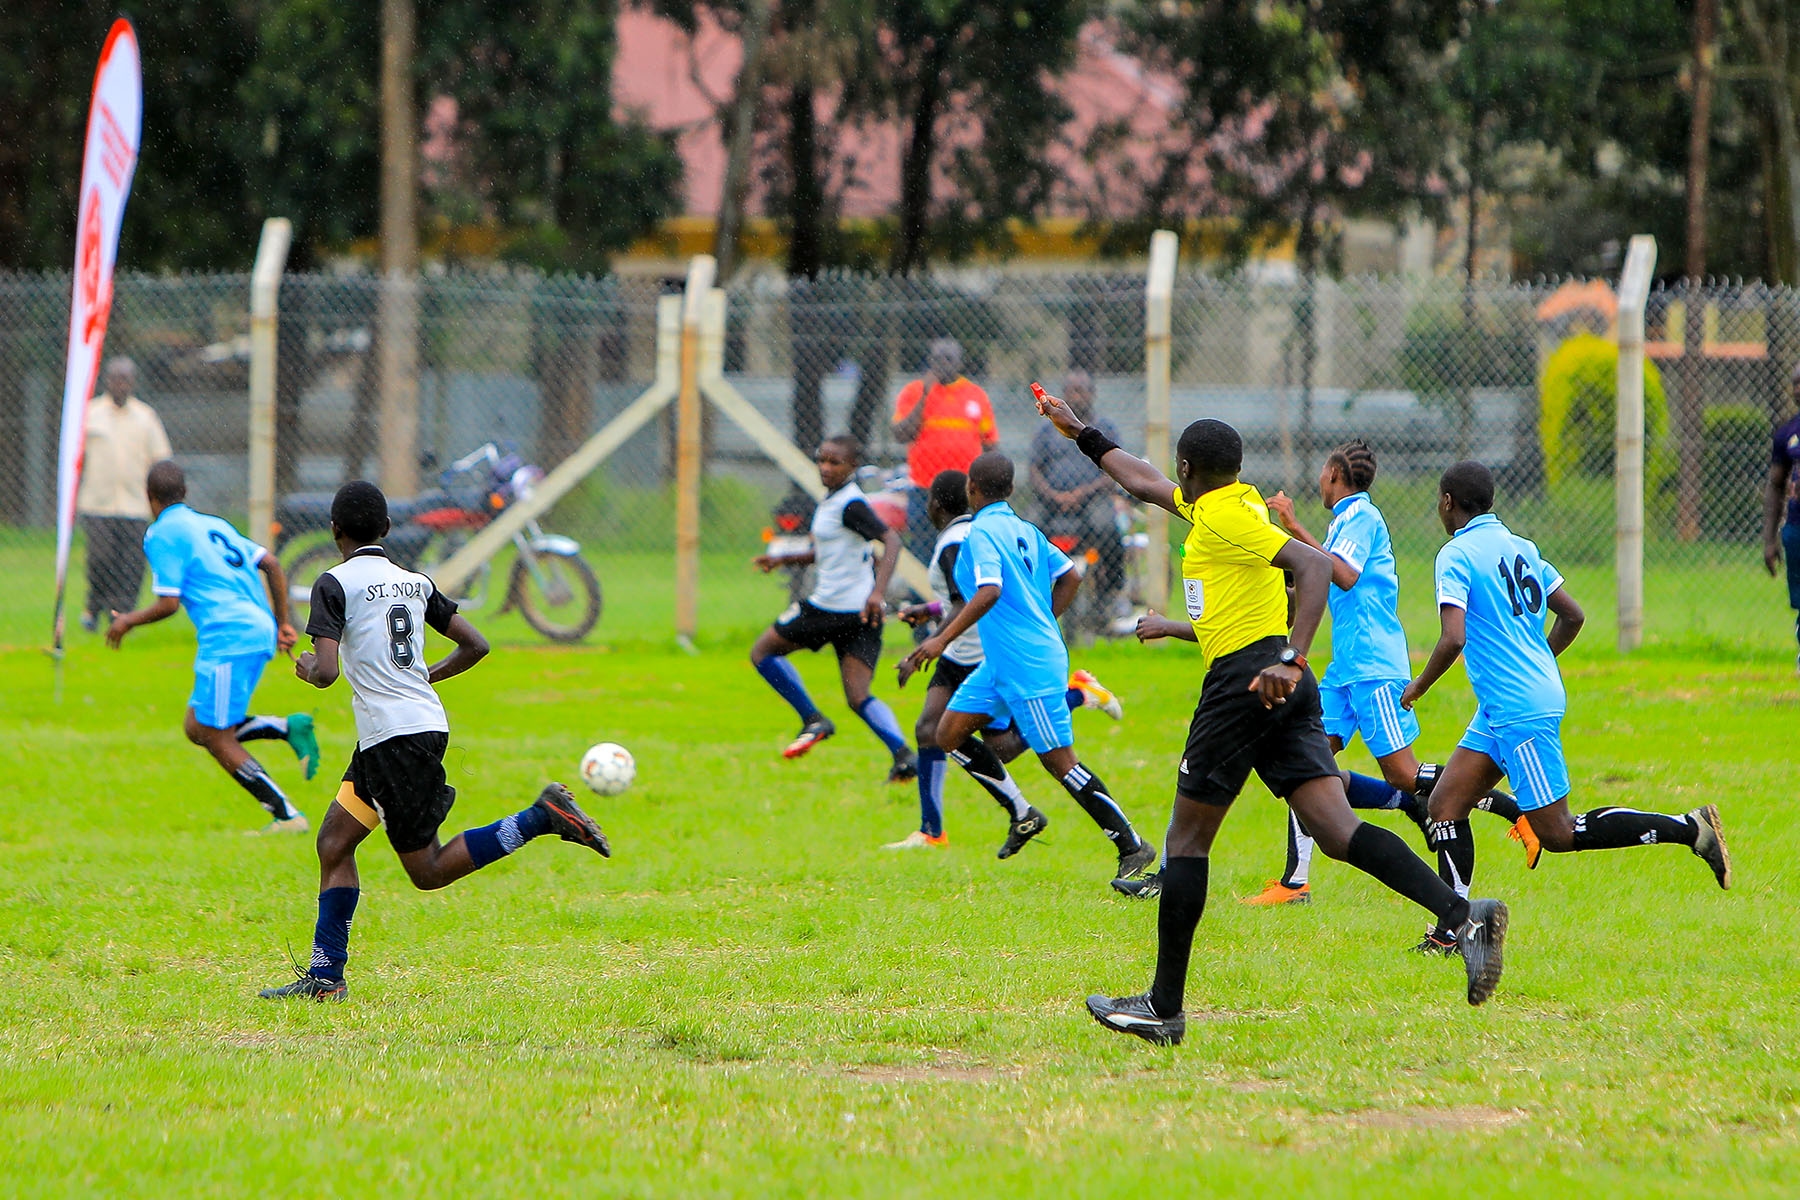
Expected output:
(1019, 634)
(211, 567)
(1498, 579)
(1367, 641)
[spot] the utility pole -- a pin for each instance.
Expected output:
(739, 136)
(397, 343)
(1690, 403)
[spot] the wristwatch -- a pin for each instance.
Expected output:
(1290, 657)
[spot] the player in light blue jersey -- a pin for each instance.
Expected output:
(1360, 691)
(1017, 584)
(1492, 590)
(200, 563)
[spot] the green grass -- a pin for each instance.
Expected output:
(751, 998)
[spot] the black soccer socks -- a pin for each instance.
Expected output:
(984, 767)
(1380, 852)
(253, 779)
(1616, 828)
(1096, 802)
(1183, 902)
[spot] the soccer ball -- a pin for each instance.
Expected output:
(608, 768)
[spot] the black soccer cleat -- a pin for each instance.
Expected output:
(1481, 940)
(1132, 863)
(1146, 887)
(1022, 831)
(1417, 807)
(1438, 943)
(810, 735)
(309, 987)
(905, 768)
(1709, 842)
(1133, 1015)
(568, 822)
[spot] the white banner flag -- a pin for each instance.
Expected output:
(115, 121)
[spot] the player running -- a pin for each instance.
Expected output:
(201, 563)
(1017, 584)
(947, 506)
(1360, 691)
(843, 612)
(1492, 590)
(368, 621)
(1259, 710)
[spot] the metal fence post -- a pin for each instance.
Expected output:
(687, 451)
(265, 288)
(1159, 288)
(1628, 476)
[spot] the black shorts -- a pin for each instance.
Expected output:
(951, 674)
(813, 628)
(1232, 733)
(403, 778)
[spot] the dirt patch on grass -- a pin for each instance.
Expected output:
(936, 1072)
(1446, 1120)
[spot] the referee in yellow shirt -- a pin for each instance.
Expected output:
(1258, 710)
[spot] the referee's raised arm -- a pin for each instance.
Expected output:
(1132, 473)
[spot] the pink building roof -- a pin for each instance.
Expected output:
(677, 83)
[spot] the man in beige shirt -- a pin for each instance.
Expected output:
(124, 437)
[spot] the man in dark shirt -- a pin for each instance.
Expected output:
(1075, 498)
(1784, 487)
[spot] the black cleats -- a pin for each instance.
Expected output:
(1133, 1015)
(1133, 862)
(568, 822)
(309, 987)
(1437, 942)
(1481, 940)
(1418, 811)
(905, 768)
(1022, 831)
(1709, 842)
(1147, 887)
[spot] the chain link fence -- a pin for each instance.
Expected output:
(1519, 375)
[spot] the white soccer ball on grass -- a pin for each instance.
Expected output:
(608, 768)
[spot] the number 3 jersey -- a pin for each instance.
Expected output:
(1501, 583)
(377, 613)
(211, 568)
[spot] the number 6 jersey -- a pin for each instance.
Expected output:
(377, 613)
(1501, 583)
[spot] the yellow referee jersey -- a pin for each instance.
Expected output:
(1234, 595)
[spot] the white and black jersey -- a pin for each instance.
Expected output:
(842, 527)
(377, 613)
(965, 650)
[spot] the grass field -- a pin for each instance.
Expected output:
(752, 998)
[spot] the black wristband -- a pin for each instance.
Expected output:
(1093, 443)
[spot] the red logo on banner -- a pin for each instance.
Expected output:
(87, 267)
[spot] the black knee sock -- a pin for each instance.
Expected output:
(1380, 852)
(1501, 805)
(1096, 802)
(253, 779)
(984, 767)
(1616, 828)
(1183, 900)
(1455, 846)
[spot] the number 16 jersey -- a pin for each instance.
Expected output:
(1501, 583)
(377, 613)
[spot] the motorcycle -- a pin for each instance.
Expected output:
(551, 584)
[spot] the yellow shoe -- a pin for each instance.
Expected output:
(1523, 832)
(1276, 892)
(1095, 695)
(293, 824)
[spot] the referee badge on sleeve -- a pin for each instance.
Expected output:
(1196, 598)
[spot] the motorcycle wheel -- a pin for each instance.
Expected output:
(564, 604)
(304, 571)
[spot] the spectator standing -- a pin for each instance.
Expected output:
(1782, 492)
(1075, 497)
(945, 421)
(124, 438)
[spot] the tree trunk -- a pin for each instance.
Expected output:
(915, 168)
(740, 137)
(1689, 403)
(806, 198)
(1306, 251)
(1769, 34)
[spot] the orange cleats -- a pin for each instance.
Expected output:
(1523, 833)
(1277, 892)
(918, 839)
(1095, 694)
